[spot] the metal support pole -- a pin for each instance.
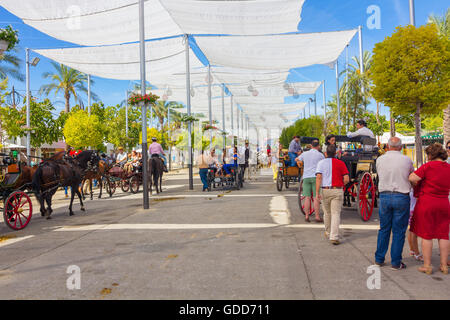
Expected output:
(27, 51)
(232, 118)
(188, 101)
(223, 116)
(338, 97)
(169, 136)
(361, 51)
(89, 93)
(324, 106)
(144, 107)
(242, 124)
(412, 14)
(315, 104)
(346, 87)
(210, 103)
(126, 116)
(237, 123)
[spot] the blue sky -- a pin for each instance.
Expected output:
(317, 16)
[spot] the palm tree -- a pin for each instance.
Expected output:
(10, 67)
(442, 24)
(356, 87)
(68, 80)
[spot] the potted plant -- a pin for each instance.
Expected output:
(8, 39)
(135, 99)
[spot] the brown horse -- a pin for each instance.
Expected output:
(155, 173)
(98, 175)
(52, 174)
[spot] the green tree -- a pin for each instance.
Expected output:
(82, 130)
(115, 119)
(311, 127)
(70, 81)
(411, 74)
(442, 24)
(378, 126)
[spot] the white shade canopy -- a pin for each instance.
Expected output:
(121, 62)
(235, 17)
(101, 22)
(276, 52)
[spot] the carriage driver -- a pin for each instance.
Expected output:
(155, 150)
(361, 125)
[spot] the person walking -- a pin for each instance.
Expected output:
(310, 159)
(393, 170)
(331, 177)
(431, 218)
(203, 162)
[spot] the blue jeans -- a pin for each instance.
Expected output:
(292, 156)
(394, 215)
(204, 177)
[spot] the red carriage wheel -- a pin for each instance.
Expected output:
(134, 184)
(18, 210)
(302, 200)
(125, 185)
(366, 196)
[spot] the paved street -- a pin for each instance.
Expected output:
(247, 244)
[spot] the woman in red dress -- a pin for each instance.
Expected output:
(431, 218)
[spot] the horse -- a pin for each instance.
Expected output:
(155, 173)
(52, 174)
(98, 175)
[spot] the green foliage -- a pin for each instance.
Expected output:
(82, 130)
(10, 36)
(412, 67)
(379, 126)
(311, 127)
(45, 129)
(10, 66)
(115, 119)
(433, 124)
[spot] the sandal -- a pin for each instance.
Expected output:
(444, 269)
(418, 256)
(319, 220)
(426, 269)
(307, 219)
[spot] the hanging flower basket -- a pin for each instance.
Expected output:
(209, 127)
(8, 39)
(136, 99)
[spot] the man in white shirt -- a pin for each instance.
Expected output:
(310, 159)
(121, 157)
(361, 125)
(393, 170)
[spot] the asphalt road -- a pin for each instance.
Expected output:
(227, 244)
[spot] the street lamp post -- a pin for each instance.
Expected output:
(34, 63)
(146, 202)
(412, 14)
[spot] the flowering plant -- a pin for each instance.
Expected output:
(9, 35)
(209, 127)
(135, 99)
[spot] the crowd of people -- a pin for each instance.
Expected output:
(235, 157)
(407, 197)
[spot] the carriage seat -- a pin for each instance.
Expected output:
(11, 179)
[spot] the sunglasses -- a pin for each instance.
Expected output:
(448, 147)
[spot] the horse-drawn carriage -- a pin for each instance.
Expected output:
(287, 174)
(234, 180)
(363, 185)
(117, 176)
(18, 208)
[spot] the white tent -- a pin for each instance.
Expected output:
(275, 52)
(100, 22)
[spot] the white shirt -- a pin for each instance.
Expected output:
(364, 131)
(310, 160)
(393, 170)
(241, 155)
(121, 157)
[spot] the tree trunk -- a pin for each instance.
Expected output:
(377, 115)
(419, 158)
(392, 123)
(446, 124)
(67, 97)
